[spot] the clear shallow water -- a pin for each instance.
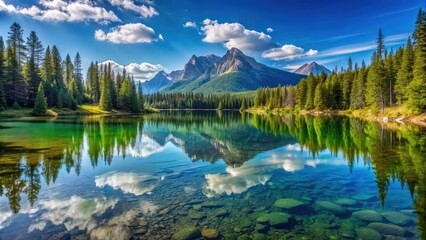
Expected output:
(164, 175)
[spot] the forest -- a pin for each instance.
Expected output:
(34, 77)
(393, 79)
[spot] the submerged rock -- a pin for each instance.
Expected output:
(221, 213)
(195, 215)
(364, 197)
(397, 218)
(346, 202)
(368, 216)
(274, 219)
(368, 234)
(210, 233)
(387, 229)
(186, 233)
(332, 207)
(212, 205)
(288, 203)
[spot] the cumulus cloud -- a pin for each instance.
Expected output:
(269, 30)
(260, 169)
(75, 212)
(142, 10)
(64, 11)
(128, 33)
(236, 35)
(288, 52)
(127, 182)
(140, 71)
(146, 147)
(190, 25)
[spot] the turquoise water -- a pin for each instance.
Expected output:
(239, 176)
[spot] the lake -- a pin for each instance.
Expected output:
(225, 175)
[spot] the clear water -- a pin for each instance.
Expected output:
(157, 176)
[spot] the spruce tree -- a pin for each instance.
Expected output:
(140, 97)
(16, 42)
(405, 73)
(68, 68)
(15, 85)
(243, 104)
(78, 75)
(40, 106)
(31, 69)
(320, 97)
(105, 102)
(57, 70)
(2, 76)
(417, 87)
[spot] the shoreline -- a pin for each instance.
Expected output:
(84, 110)
(364, 114)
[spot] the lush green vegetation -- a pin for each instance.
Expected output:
(26, 69)
(195, 101)
(393, 79)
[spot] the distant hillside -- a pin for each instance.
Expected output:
(234, 72)
(313, 68)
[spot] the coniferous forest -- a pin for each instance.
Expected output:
(394, 78)
(32, 76)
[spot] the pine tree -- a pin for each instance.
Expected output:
(310, 91)
(358, 88)
(31, 69)
(405, 73)
(2, 76)
(40, 106)
(347, 85)
(68, 68)
(140, 97)
(105, 102)
(15, 86)
(78, 74)
(417, 87)
(16, 42)
(320, 97)
(57, 70)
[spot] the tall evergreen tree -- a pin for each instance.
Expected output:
(105, 102)
(405, 73)
(417, 87)
(68, 68)
(2, 76)
(140, 97)
(57, 70)
(78, 73)
(31, 69)
(15, 86)
(16, 42)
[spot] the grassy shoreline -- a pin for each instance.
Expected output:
(83, 110)
(393, 114)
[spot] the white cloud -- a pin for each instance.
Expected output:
(127, 182)
(144, 11)
(128, 33)
(140, 71)
(236, 35)
(269, 30)
(260, 169)
(288, 52)
(190, 25)
(391, 40)
(75, 212)
(63, 11)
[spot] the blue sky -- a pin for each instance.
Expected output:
(149, 35)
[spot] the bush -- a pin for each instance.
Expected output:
(16, 106)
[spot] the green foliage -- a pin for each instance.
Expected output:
(40, 106)
(16, 106)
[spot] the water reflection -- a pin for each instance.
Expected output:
(254, 147)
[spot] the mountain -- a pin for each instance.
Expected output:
(234, 72)
(153, 85)
(313, 68)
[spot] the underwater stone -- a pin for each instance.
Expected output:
(274, 219)
(387, 229)
(364, 197)
(258, 236)
(397, 218)
(368, 234)
(332, 207)
(195, 215)
(210, 233)
(196, 207)
(186, 233)
(346, 202)
(244, 237)
(368, 216)
(221, 213)
(288, 203)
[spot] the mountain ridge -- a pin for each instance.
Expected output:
(313, 68)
